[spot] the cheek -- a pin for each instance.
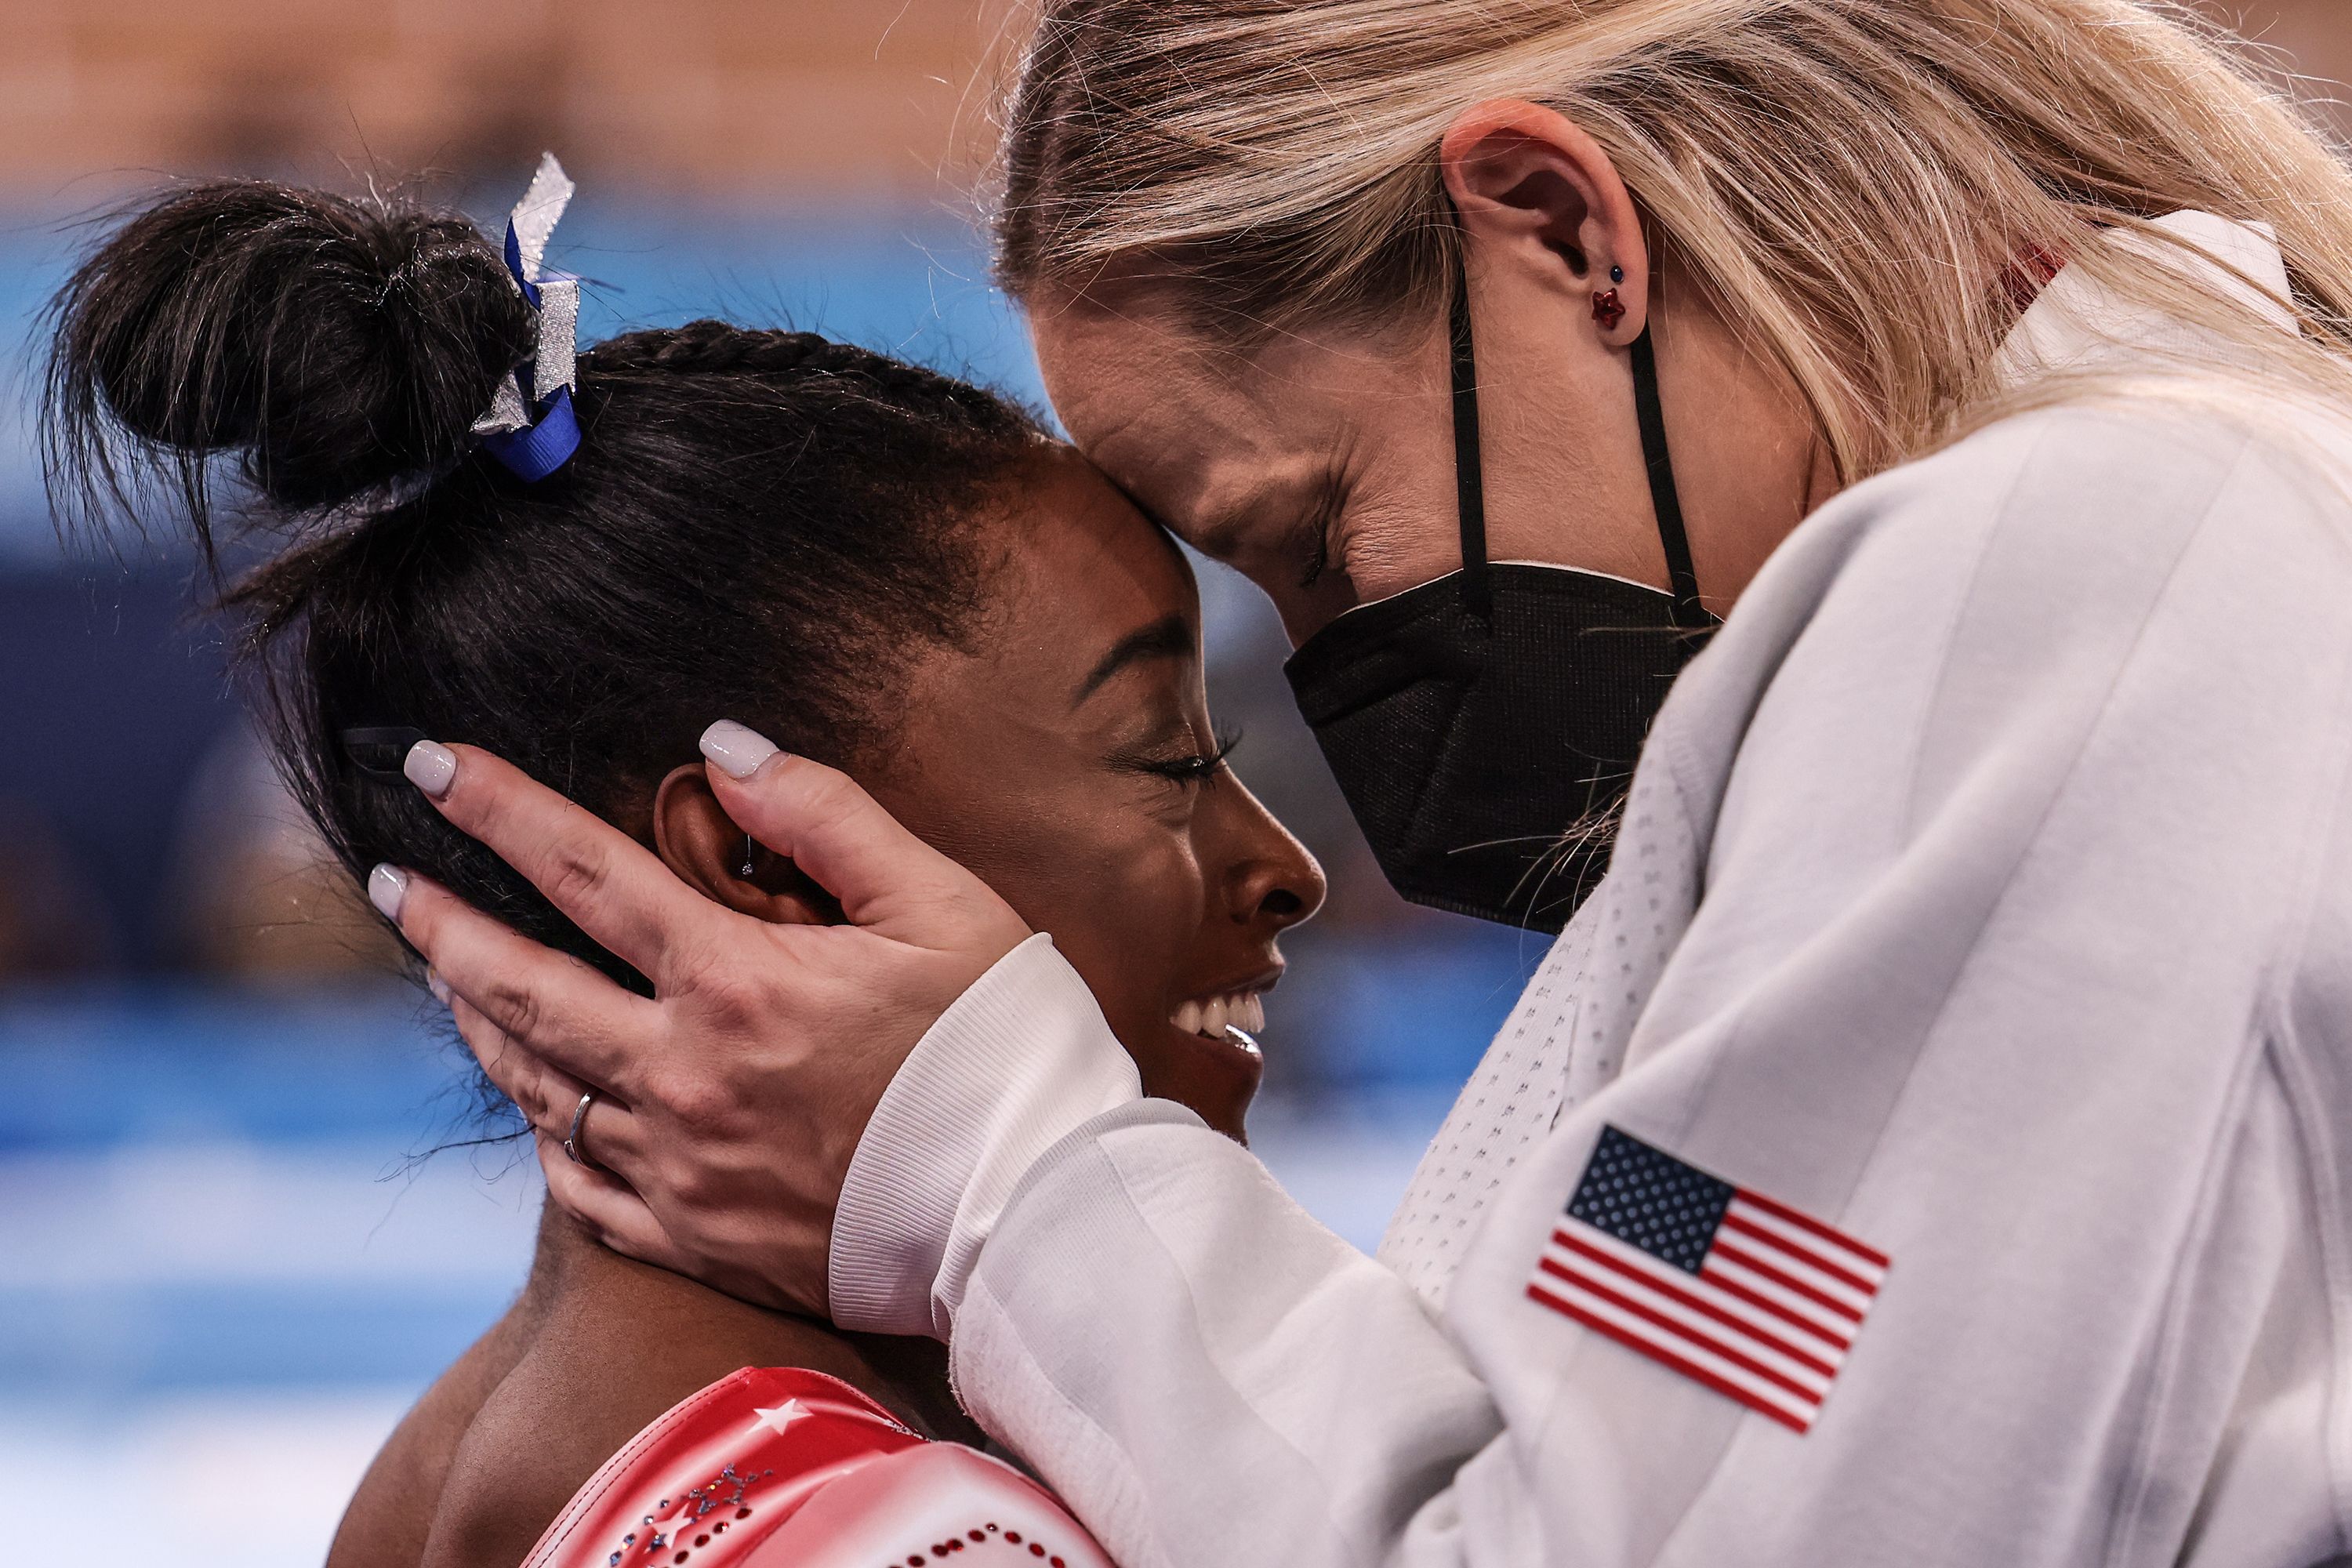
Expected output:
(1398, 534)
(1126, 917)
(1120, 894)
(1074, 848)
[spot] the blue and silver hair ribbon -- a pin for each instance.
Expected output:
(530, 427)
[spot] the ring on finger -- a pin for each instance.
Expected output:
(572, 1144)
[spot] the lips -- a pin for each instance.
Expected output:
(1207, 1060)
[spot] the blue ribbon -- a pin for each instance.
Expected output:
(543, 446)
(514, 265)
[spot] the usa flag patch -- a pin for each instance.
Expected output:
(1750, 1297)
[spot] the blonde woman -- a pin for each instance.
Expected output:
(1931, 1139)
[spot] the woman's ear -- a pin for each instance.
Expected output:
(1537, 194)
(697, 839)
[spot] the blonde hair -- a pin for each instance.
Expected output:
(1853, 182)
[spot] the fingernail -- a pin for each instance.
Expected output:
(430, 766)
(387, 888)
(439, 987)
(736, 751)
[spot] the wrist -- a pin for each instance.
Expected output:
(1021, 1059)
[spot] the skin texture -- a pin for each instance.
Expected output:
(1322, 468)
(1069, 758)
(1062, 794)
(1321, 465)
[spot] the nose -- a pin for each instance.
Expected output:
(1274, 882)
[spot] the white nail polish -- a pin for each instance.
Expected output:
(430, 766)
(439, 987)
(736, 751)
(387, 889)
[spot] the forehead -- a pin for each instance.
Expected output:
(1083, 566)
(1198, 434)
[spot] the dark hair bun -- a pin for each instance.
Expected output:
(813, 512)
(337, 344)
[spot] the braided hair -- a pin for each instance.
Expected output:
(765, 525)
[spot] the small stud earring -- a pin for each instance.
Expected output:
(1608, 309)
(747, 856)
(1616, 275)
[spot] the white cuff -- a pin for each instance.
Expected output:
(1021, 1059)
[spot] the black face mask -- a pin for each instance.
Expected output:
(1483, 726)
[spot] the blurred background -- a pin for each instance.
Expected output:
(241, 1223)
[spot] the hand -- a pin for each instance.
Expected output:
(729, 1105)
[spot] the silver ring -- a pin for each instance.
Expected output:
(571, 1139)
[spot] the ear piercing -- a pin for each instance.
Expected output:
(1607, 308)
(747, 856)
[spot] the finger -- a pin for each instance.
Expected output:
(563, 1012)
(613, 887)
(608, 1206)
(831, 830)
(610, 1135)
(535, 1087)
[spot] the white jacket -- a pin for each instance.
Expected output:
(1985, 893)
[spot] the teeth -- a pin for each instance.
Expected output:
(1214, 1016)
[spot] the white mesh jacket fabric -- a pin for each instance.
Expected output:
(1564, 1040)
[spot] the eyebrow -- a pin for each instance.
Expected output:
(1308, 536)
(1168, 637)
(1233, 515)
(1216, 533)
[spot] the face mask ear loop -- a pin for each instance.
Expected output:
(1663, 501)
(1469, 486)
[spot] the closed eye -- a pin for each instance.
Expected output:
(1314, 543)
(1196, 768)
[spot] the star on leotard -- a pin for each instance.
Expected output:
(781, 1416)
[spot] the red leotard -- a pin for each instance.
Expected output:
(773, 1467)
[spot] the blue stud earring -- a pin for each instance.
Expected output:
(1616, 275)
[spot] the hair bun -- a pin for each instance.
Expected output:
(337, 344)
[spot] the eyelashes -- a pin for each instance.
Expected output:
(1312, 540)
(1315, 534)
(1319, 555)
(1196, 768)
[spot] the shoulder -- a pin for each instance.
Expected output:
(391, 1515)
(928, 1505)
(716, 1472)
(2055, 549)
(2112, 507)
(616, 1353)
(770, 1467)
(2047, 546)
(2078, 626)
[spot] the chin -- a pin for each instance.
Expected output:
(1215, 1077)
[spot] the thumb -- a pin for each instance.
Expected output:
(886, 877)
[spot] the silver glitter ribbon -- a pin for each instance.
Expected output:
(554, 296)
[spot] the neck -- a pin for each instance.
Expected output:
(577, 1280)
(1750, 462)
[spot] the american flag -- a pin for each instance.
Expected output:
(1750, 1297)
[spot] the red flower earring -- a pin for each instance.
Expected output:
(1607, 308)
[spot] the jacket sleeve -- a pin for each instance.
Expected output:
(1962, 860)
(1018, 1128)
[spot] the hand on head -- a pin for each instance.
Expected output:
(741, 1059)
